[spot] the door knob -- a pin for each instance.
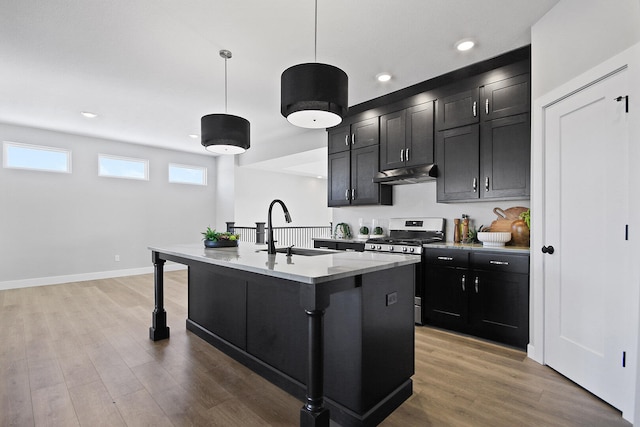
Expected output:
(547, 250)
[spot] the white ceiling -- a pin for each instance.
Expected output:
(151, 68)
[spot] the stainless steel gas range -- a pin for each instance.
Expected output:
(408, 236)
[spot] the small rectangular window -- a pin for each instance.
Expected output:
(183, 174)
(123, 167)
(36, 157)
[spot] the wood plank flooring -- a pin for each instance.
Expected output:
(78, 354)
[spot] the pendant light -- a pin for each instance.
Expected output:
(314, 95)
(225, 133)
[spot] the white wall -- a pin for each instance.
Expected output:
(577, 35)
(305, 197)
(58, 227)
(569, 40)
(420, 200)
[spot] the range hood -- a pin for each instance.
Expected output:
(408, 175)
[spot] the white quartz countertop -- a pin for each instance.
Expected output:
(306, 269)
(478, 247)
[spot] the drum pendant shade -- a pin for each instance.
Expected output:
(225, 133)
(314, 95)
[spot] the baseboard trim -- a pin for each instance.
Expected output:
(56, 280)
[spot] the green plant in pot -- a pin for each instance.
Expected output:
(378, 231)
(219, 239)
(364, 230)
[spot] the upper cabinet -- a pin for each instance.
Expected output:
(473, 124)
(406, 137)
(458, 109)
(353, 162)
(483, 142)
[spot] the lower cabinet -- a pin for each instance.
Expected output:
(481, 293)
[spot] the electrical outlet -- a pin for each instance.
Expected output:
(392, 298)
(117, 258)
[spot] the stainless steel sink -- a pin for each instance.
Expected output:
(304, 251)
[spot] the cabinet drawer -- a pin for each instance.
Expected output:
(447, 257)
(495, 261)
(325, 244)
(344, 246)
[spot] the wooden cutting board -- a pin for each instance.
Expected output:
(506, 218)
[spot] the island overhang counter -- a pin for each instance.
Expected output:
(335, 330)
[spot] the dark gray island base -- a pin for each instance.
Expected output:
(342, 341)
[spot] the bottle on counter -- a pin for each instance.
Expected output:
(456, 230)
(465, 229)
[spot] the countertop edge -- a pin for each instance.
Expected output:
(364, 262)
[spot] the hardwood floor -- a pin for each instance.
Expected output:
(79, 354)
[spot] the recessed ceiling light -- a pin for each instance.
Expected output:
(383, 77)
(465, 44)
(194, 136)
(89, 114)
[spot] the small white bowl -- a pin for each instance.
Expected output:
(493, 239)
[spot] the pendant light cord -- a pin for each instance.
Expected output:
(225, 85)
(315, 46)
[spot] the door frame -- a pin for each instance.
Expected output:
(630, 58)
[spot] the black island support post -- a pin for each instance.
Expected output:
(313, 413)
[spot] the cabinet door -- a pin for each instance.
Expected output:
(339, 139)
(338, 179)
(392, 140)
(506, 157)
(500, 307)
(365, 133)
(364, 166)
(459, 109)
(419, 135)
(445, 301)
(457, 153)
(506, 97)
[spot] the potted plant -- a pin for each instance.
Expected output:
(218, 239)
(363, 232)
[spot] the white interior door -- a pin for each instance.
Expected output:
(586, 278)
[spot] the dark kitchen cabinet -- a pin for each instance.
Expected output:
(406, 137)
(506, 97)
(458, 151)
(483, 293)
(351, 169)
(490, 158)
(505, 159)
(457, 109)
(357, 135)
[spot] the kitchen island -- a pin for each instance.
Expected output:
(334, 329)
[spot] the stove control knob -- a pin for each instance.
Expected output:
(404, 249)
(391, 249)
(412, 250)
(372, 247)
(379, 247)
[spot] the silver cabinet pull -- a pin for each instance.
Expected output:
(463, 280)
(476, 283)
(475, 112)
(346, 140)
(353, 194)
(486, 184)
(346, 194)
(402, 155)
(498, 262)
(445, 258)
(353, 138)
(475, 184)
(486, 106)
(406, 154)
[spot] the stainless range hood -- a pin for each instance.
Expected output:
(408, 175)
